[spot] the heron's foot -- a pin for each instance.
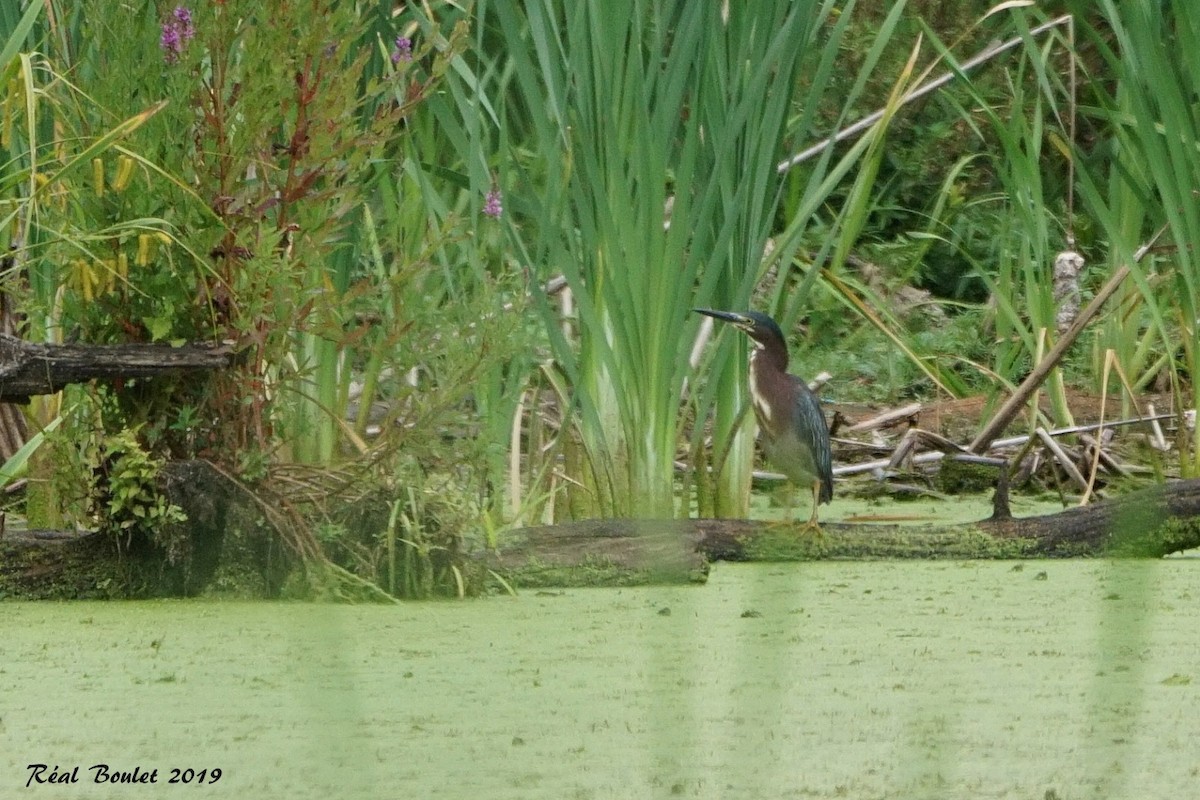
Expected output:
(809, 529)
(812, 529)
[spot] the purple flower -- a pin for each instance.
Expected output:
(177, 31)
(183, 16)
(169, 42)
(403, 51)
(491, 204)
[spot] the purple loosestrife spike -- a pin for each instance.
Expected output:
(491, 204)
(403, 51)
(169, 42)
(177, 31)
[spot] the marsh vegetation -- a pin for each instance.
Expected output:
(452, 249)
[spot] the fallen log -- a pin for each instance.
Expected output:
(603, 552)
(29, 368)
(1150, 523)
(615, 552)
(221, 549)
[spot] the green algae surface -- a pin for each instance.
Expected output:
(1065, 679)
(961, 509)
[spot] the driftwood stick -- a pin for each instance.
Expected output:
(1148, 524)
(1064, 460)
(1159, 441)
(1109, 463)
(1001, 511)
(1013, 441)
(903, 451)
(886, 418)
(1013, 405)
(999, 444)
(918, 436)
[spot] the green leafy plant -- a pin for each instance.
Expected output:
(124, 499)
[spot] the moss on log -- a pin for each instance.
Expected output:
(611, 552)
(1147, 524)
(223, 548)
(57, 565)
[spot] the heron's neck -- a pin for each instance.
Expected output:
(766, 372)
(762, 359)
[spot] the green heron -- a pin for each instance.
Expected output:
(794, 436)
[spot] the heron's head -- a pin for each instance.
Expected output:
(762, 330)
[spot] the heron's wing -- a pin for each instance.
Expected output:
(808, 416)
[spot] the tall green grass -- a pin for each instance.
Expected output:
(1151, 51)
(612, 111)
(641, 140)
(1031, 231)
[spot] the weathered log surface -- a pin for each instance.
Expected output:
(603, 552)
(28, 368)
(1147, 524)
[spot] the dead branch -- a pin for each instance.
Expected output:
(28, 368)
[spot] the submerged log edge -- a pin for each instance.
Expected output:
(1150, 523)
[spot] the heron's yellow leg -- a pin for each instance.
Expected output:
(812, 526)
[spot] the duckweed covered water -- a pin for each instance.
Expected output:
(858, 680)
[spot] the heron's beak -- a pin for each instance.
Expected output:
(740, 320)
